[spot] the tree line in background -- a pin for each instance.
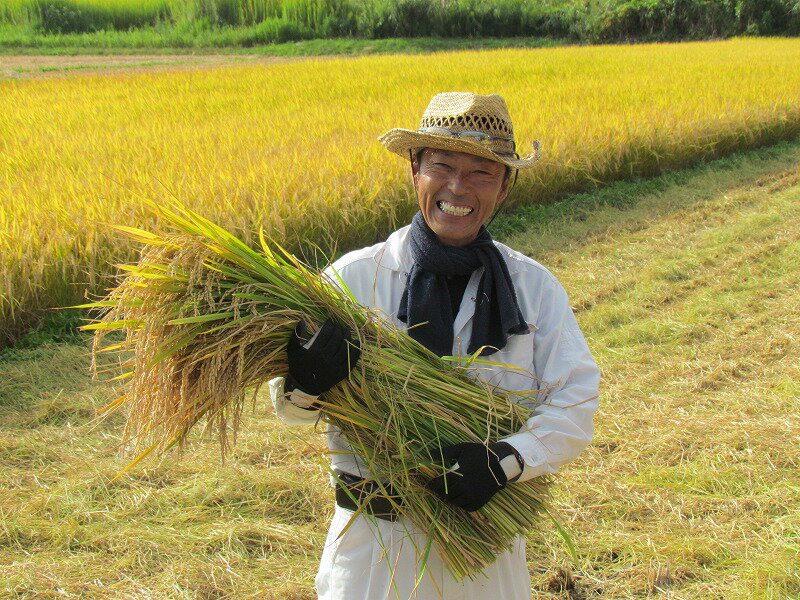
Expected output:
(286, 20)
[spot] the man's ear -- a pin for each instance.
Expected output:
(504, 189)
(414, 169)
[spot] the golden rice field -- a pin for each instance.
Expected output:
(292, 147)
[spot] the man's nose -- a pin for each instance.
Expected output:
(457, 185)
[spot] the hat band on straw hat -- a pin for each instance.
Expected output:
(479, 137)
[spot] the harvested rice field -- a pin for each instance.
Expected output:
(291, 146)
(35, 66)
(686, 288)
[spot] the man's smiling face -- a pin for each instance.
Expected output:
(457, 193)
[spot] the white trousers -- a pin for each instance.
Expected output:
(377, 560)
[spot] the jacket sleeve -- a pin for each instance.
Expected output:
(292, 408)
(563, 420)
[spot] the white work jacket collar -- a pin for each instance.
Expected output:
(397, 253)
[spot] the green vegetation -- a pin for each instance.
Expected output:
(150, 63)
(233, 40)
(247, 23)
(57, 327)
(686, 287)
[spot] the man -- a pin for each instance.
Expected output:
(458, 292)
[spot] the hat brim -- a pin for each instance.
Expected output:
(400, 141)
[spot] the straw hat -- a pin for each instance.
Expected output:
(464, 122)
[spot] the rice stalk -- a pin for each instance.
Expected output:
(207, 318)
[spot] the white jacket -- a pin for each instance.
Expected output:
(555, 375)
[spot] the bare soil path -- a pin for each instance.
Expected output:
(36, 67)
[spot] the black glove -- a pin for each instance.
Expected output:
(325, 362)
(479, 475)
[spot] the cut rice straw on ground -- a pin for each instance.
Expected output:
(206, 318)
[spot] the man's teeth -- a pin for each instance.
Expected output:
(457, 211)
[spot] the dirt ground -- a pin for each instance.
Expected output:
(36, 67)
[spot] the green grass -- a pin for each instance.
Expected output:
(149, 63)
(686, 288)
(220, 42)
(58, 327)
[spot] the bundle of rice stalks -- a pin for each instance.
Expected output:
(206, 319)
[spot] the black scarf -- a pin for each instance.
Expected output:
(425, 305)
